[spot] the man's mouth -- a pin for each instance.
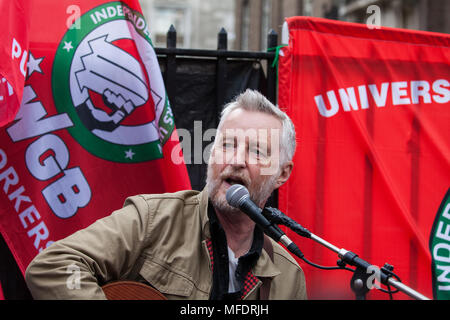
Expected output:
(234, 180)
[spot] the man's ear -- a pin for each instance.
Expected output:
(285, 173)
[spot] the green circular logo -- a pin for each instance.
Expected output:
(106, 77)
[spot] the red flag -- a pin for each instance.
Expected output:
(372, 167)
(13, 56)
(94, 127)
(2, 297)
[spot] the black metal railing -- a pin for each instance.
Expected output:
(222, 54)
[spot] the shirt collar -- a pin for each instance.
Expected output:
(258, 236)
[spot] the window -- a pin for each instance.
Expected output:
(245, 25)
(265, 22)
(164, 16)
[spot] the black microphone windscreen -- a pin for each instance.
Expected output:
(235, 194)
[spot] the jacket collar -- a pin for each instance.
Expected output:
(203, 213)
(265, 267)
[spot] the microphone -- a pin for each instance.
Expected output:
(276, 216)
(238, 196)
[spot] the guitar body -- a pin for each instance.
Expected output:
(131, 290)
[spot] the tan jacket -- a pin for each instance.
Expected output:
(158, 238)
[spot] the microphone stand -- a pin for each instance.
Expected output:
(363, 269)
(359, 281)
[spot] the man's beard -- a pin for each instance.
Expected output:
(258, 196)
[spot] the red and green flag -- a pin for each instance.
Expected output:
(440, 249)
(95, 124)
(14, 24)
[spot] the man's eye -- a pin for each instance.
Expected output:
(254, 151)
(258, 152)
(228, 145)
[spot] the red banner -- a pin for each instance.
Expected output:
(13, 55)
(372, 167)
(94, 127)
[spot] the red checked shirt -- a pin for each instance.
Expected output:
(245, 279)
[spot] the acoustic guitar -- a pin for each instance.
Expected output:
(131, 290)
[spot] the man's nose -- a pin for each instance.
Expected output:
(240, 156)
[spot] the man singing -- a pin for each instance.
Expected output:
(189, 244)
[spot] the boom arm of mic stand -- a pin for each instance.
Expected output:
(352, 259)
(348, 257)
